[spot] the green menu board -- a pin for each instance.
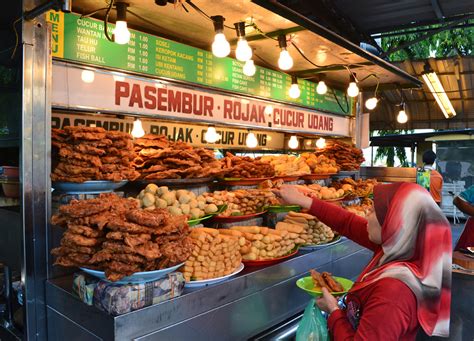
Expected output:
(83, 40)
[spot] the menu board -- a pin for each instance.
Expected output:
(83, 40)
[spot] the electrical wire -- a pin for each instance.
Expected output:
(106, 19)
(17, 40)
(346, 110)
(92, 13)
(204, 14)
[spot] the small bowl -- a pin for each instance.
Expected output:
(11, 190)
(11, 172)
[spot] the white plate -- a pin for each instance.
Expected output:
(88, 187)
(318, 246)
(203, 283)
(137, 277)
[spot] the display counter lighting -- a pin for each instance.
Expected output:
(243, 51)
(371, 103)
(137, 130)
(121, 32)
(353, 89)
(322, 88)
(295, 91)
(293, 142)
(437, 90)
(220, 46)
(211, 135)
(402, 115)
(321, 143)
(285, 62)
(251, 140)
(249, 68)
(87, 76)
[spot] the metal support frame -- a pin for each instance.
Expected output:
(273, 34)
(35, 169)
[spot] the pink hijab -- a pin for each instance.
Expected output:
(416, 249)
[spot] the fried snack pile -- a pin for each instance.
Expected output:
(348, 158)
(92, 153)
(242, 201)
(262, 242)
(359, 188)
(245, 167)
(325, 280)
(309, 229)
(321, 192)
(320, 164)
(111, 234)
(158, 158)
(214, 255)
(287, 165)
(362, 209)
(176, 202)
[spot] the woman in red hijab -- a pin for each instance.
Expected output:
(407, 284)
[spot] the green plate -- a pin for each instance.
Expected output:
(306, 284)
(283, 208)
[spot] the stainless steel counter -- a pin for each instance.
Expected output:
(237, 309)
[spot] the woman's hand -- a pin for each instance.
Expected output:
(292, 196)
(328, 302)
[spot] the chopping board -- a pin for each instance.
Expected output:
(463, 260)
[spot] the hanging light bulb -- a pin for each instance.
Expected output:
(371, 103)
(220, 46)
(402, 115)
(321, 143)
(87, 76)
(295, 91)
(121, 32)
(293, 142)
(211, 135)
(268, 110)
(137, 130)
(243, 51)
(353, 89)
(251, 140)
(321, 88)
(285, 62)
(249, 68)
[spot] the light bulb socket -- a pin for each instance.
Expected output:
(240, 29)
(282, 41)
(352, 78)
(294, 80)
(427, 68)
(121, 11)
(218, 21)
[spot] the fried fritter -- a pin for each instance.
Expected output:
(84, 208)
(84, 230)
(177, 251)
(69, 153)
(148, 250)
(152, 218)
(81, 240)
(117, 224)
(134, 240)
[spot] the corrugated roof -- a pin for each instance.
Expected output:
(457, 77)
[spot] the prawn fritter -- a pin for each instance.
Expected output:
(152, 218)
(73, 259)
(117, 224)
(174, 224)
(120, 267)
(69, 153)
(116, 247)
(81, 240)
(59, 220)
(104, 255)
(84, 230)
(86, 149)
(118, 135)
(84, 208)
(148, 250)
(71, 247)
(134, 240)
(163, 239)
(177, 251)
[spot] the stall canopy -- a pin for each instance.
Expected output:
(411, 140)
(328, 53)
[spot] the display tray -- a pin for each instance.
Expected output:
(205, 282)
(175, 182)
(283, 208)
(317, 176)
(88, 187)
(235, 218)
(335, 240)
(137, 277)
(347, 173)
(306, 284)
(287, 178)
(241, 181)
(269, 261)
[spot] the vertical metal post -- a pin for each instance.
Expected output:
(358, 118)
(35, 169)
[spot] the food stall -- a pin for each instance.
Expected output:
(161, 87)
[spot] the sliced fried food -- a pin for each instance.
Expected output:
(318, 280)
(334, 285)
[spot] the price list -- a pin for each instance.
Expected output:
(84, 40)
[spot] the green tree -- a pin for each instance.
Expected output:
(449, 43)
(389, 153)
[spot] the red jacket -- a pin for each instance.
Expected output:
(387, 309)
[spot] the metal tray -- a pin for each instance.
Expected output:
(88, 187)
(175, 182)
